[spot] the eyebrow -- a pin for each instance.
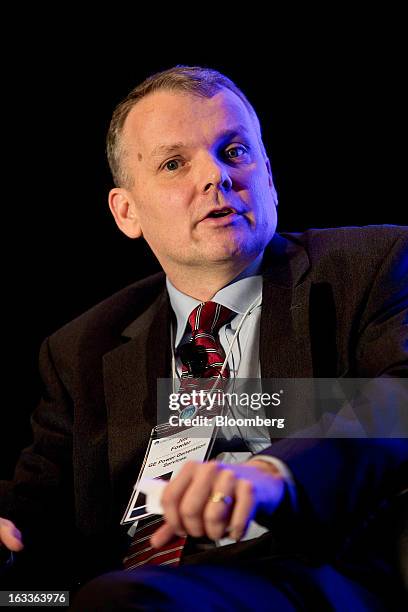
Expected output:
(168, 149)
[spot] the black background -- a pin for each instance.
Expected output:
(329, 93)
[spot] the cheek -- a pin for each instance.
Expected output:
(176, 201)
(174, 194)
(165, 208)
(261, 195)
(264, 214)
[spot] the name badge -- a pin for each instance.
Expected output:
(164, 458)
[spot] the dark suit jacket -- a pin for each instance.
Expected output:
(334, 305)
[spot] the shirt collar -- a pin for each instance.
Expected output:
(236, 296)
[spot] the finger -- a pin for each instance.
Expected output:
(162, 535)
(196, 497)
(217, 514)
(173, 494)
(10, 536)
(243, 510)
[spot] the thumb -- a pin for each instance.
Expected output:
(10, 536)
(162, 535)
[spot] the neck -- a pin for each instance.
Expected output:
(203, 283)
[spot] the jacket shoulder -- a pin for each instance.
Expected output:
(372, 240)
(101, 326)
(346, 248)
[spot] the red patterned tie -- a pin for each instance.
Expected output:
(205, 321)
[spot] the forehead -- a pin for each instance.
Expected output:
(167, 116)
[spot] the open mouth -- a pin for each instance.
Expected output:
(215, 214)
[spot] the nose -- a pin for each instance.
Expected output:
(215, 176)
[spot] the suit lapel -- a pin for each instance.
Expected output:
(285, 350)
(284, 338)
(130, 379)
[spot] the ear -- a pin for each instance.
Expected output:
(123, 209)
(271, 183)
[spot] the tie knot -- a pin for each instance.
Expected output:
(209, 317)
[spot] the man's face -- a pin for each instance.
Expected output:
(202, 190)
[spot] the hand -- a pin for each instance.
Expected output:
(10, 536)
(188, 509)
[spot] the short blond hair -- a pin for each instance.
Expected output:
(203, 82)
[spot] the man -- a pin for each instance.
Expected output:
(193, 178)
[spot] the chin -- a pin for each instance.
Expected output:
(223, 253)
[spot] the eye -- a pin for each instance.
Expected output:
(172, 165)
(235, 151)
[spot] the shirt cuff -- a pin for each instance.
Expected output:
(287, 476)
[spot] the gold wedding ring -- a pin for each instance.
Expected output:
(220, 497)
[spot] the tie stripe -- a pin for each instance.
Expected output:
(159, 557)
